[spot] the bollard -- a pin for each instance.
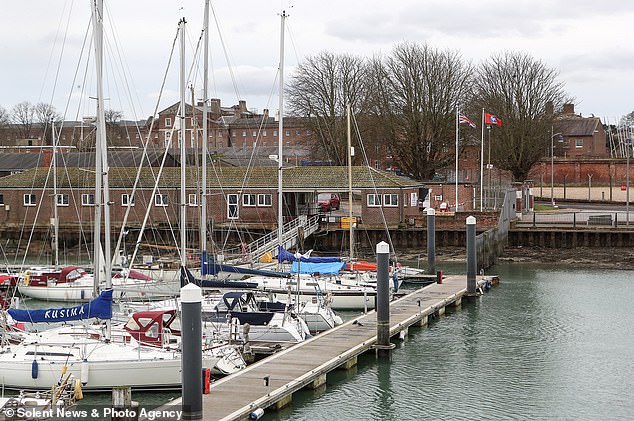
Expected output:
(431, 240)
(191, 358)
(471, 255)
(439, 276)
(123, 407)
(383, 345)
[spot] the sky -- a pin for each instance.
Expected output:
(589, 43)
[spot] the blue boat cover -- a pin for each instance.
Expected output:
(332, 268)
(100, 308)
(286, 256)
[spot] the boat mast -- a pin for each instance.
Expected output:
(350, 154)
(203, 196)
(181, 140)
(100, 169)
(55, 198)
(102, 197)
(280, 138)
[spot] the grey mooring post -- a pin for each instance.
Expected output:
(471, 255)
(431, 240)
(383, 345)
(192, 358)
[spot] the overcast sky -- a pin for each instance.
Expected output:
(589, 42)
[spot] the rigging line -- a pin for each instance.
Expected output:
(372, 178)
(226, 53)
(151, 169)
(50, 58)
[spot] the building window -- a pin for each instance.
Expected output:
(233, 134)
(160, 200)
(274, 132)
(255, 134)
(1, 199)
(244, 133)
(374, 200)
(192, 199)
(62, 199)
(127, 200)
(263, 133)
(390, 199)
(168, 136)
(578, 143)
(264, 200)
(29, 200)
(298, 132)
(88, 199)
(168, 122)
(287, 133)
(248, 200)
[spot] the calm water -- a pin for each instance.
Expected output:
(548, 343)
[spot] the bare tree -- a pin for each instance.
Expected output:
(44, 114)
(113, 126)
(416, 91)
(22, 115)
(627, 120)
(5, 118)
(321, 88)
(522, 91)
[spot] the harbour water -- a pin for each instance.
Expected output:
(548, 343)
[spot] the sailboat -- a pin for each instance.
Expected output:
(142, 354)
(145, 353)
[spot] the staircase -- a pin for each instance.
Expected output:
(302, 226)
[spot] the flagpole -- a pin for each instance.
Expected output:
(482, 161)
(457, 137)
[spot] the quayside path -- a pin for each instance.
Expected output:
(272, 381)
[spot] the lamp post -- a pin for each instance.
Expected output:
(552, 165)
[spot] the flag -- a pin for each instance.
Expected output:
(464, 120)
(491, 119)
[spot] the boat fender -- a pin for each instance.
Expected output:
(395, 281)
(82, 294)
(487, 285)
(79, 395)
(257, 414)
(34, 369)
(84, 372)
(206, 380)
(27, 278)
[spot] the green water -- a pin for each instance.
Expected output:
(548, 343)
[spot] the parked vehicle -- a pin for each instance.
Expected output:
(328, 201)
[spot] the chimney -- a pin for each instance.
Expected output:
(47, 158)
(215, 106)
(243, 106)
(569, 109)
(265, 114)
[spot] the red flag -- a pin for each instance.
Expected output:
(491, 119)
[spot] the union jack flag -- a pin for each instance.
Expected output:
(464, 120)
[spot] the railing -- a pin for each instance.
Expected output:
(578, 219)
(490, 244)
(290, 232)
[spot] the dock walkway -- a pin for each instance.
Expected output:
(272, 381)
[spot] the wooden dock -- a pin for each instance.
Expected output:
(272, 381)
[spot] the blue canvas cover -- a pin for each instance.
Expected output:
(332, 268)
(100, 308)
(284, 255)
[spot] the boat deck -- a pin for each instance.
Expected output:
(272, 381)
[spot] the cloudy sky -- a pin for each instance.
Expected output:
(590, 43)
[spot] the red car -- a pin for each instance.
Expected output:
(328, 201)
